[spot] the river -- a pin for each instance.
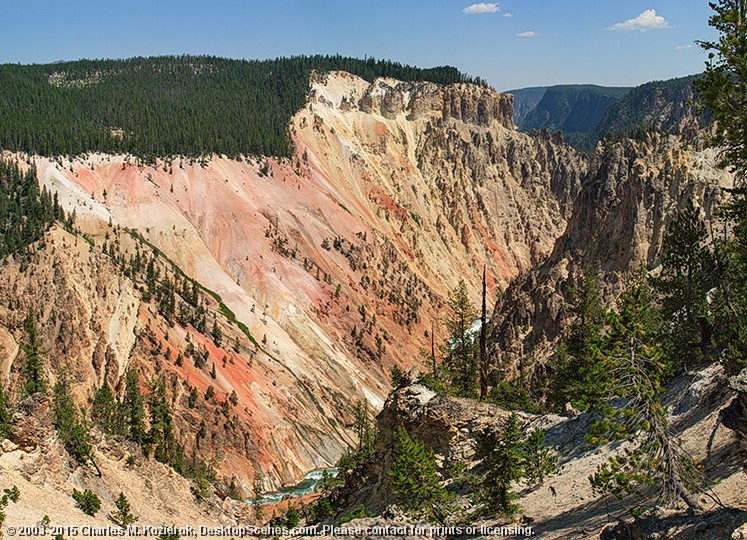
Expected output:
(304, 487)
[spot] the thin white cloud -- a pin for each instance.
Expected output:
(683, 47)
(648, 20)
(481, 7)
(507, 14)
(529, 34)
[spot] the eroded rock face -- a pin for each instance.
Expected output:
(735, 415)
(446, 425)
(618, 221)
(32, 422)
(339, 260)
(466, 103)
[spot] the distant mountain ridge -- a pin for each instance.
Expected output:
(660, 105)
(571, 108)
(587, 113)
(525, 100)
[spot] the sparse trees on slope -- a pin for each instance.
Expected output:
(25, 212)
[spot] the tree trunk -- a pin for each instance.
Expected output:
(690, 499)
(483, 345)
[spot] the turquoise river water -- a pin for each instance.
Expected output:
(305, 486)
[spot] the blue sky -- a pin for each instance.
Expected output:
(512, 43)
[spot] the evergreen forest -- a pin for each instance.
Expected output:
(166, 106)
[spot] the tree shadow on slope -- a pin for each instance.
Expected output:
(585, 520)
(567, 437)
(716, 525)
(728, 460)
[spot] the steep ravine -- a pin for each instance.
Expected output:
(337, 261)
(618, 222)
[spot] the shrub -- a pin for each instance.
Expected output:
(292, 517)
(539, 463)
(87, 501)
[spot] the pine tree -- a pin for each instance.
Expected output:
(258, 491)
(721, 89)
(132, 414)
(292, 517)
(416, 483)
(539, 463)
(365, 432)
(217, 333)
(576, 351)
(504, 457)
(688, 273)
(123, 515)
(9, 495)
(192, 398)
(722, 92)
(161, 434)
(87, 501)
(624, 386)
(171, 533)
(34, 353)
(104, 410)
(6, 414)
(70, 428)
(484, 361)
(461, 354)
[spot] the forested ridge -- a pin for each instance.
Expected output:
(171, 105)
(645, 108)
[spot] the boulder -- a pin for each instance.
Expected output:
(734, 416)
